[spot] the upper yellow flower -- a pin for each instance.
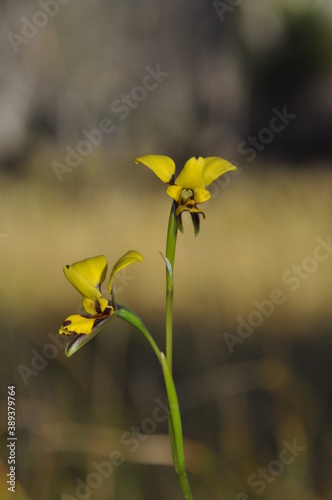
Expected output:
(87, 276)
(189, 188)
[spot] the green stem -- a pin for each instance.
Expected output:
(176, 429)
(170, 254)
(174, 418)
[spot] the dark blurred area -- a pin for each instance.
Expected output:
(85, 87)
(228, 68)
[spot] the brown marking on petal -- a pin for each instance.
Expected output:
(72, 332)
(106, 314)
(67, 266)
(97, 321)
(65, 331)
(188, 206)
(66, 323)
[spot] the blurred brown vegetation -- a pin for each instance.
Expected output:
(226, 76)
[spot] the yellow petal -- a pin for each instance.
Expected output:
(201, 195)
(103, 303)
(174, 192)
(162, 166)
(87, 275)
(189, 207)
(215, 167)
(77, 324)
(191, 176)
(90, 306)
(127, 259)
(95, 307)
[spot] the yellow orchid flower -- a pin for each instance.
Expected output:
(87, 276)
(189, 188)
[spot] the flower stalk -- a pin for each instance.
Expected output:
(170, 255)
(175, 426)
(174, 417)
(176, 429)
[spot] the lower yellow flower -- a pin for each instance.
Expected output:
(189, 188)
(87, 276)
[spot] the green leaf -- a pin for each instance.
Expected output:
(168, 265)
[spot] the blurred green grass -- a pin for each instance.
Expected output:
(256, 229)
(237, 408)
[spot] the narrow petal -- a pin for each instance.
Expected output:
(196, 220)
(191, 176)
(201, 195)
(174, 192)
(179, 224)
(162, 166)
(87, 275)
(215, 167)
(127, 259)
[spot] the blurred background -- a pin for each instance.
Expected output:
(85, 87)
